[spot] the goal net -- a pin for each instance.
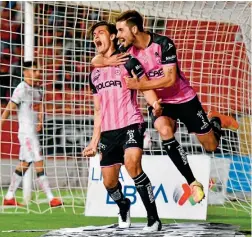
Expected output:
(213, 41)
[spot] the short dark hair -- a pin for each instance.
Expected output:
(29, 64)
(132, 18)
(110, 27)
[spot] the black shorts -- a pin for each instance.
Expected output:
(190, 113)
(113, 143)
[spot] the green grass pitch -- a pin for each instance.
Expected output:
(68, 217)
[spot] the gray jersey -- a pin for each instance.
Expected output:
(26, 97)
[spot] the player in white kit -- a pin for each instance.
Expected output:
(26, 97)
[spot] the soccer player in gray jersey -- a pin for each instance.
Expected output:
(25, 97)
(119, 126)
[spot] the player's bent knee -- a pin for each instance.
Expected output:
(132, 160)
(39, 166)
(40, 170)
(208, 141)
(110, 183)
(165, 127)
(20, 172)
(40, 173)
(166, 132)
(133, 168)
(23, 167)
(25, 164)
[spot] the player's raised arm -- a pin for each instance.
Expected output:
(136, 70)
(169, 65)
(151, 98)
(11, 106)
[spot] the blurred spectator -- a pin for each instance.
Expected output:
(10, 45)
(62, 48)
(4, 73)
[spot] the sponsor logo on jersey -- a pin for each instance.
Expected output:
(170, 58)
(108, 84)
(155, 73)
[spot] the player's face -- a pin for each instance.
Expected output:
(124, 33)
(102, 39)
(33, 75)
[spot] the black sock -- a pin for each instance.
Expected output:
(117, 195)
(19, 173)
(179, 158)
(216, 126)
(41, 173)
(144, 188)
(22, 173)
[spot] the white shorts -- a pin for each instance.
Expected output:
(29, 148)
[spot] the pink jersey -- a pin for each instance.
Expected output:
(119, 107)
(162, 51)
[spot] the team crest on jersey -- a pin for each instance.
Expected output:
(96, 75)
(117, 70)
(157, 57)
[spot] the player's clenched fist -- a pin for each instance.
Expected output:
(157, 108)
(89, 151)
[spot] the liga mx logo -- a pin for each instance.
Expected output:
(182, 194)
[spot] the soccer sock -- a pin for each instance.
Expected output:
(144, 188)
(216, 125)
(179, 158)
(15, 182)
(44, 184)
(117, 195)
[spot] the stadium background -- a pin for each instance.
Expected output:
(60, 39)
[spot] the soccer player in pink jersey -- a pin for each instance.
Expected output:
(26, 95)
(157, 54)
(119, 127)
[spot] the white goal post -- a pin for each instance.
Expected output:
(213, 40)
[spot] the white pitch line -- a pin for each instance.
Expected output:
(11, 231)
